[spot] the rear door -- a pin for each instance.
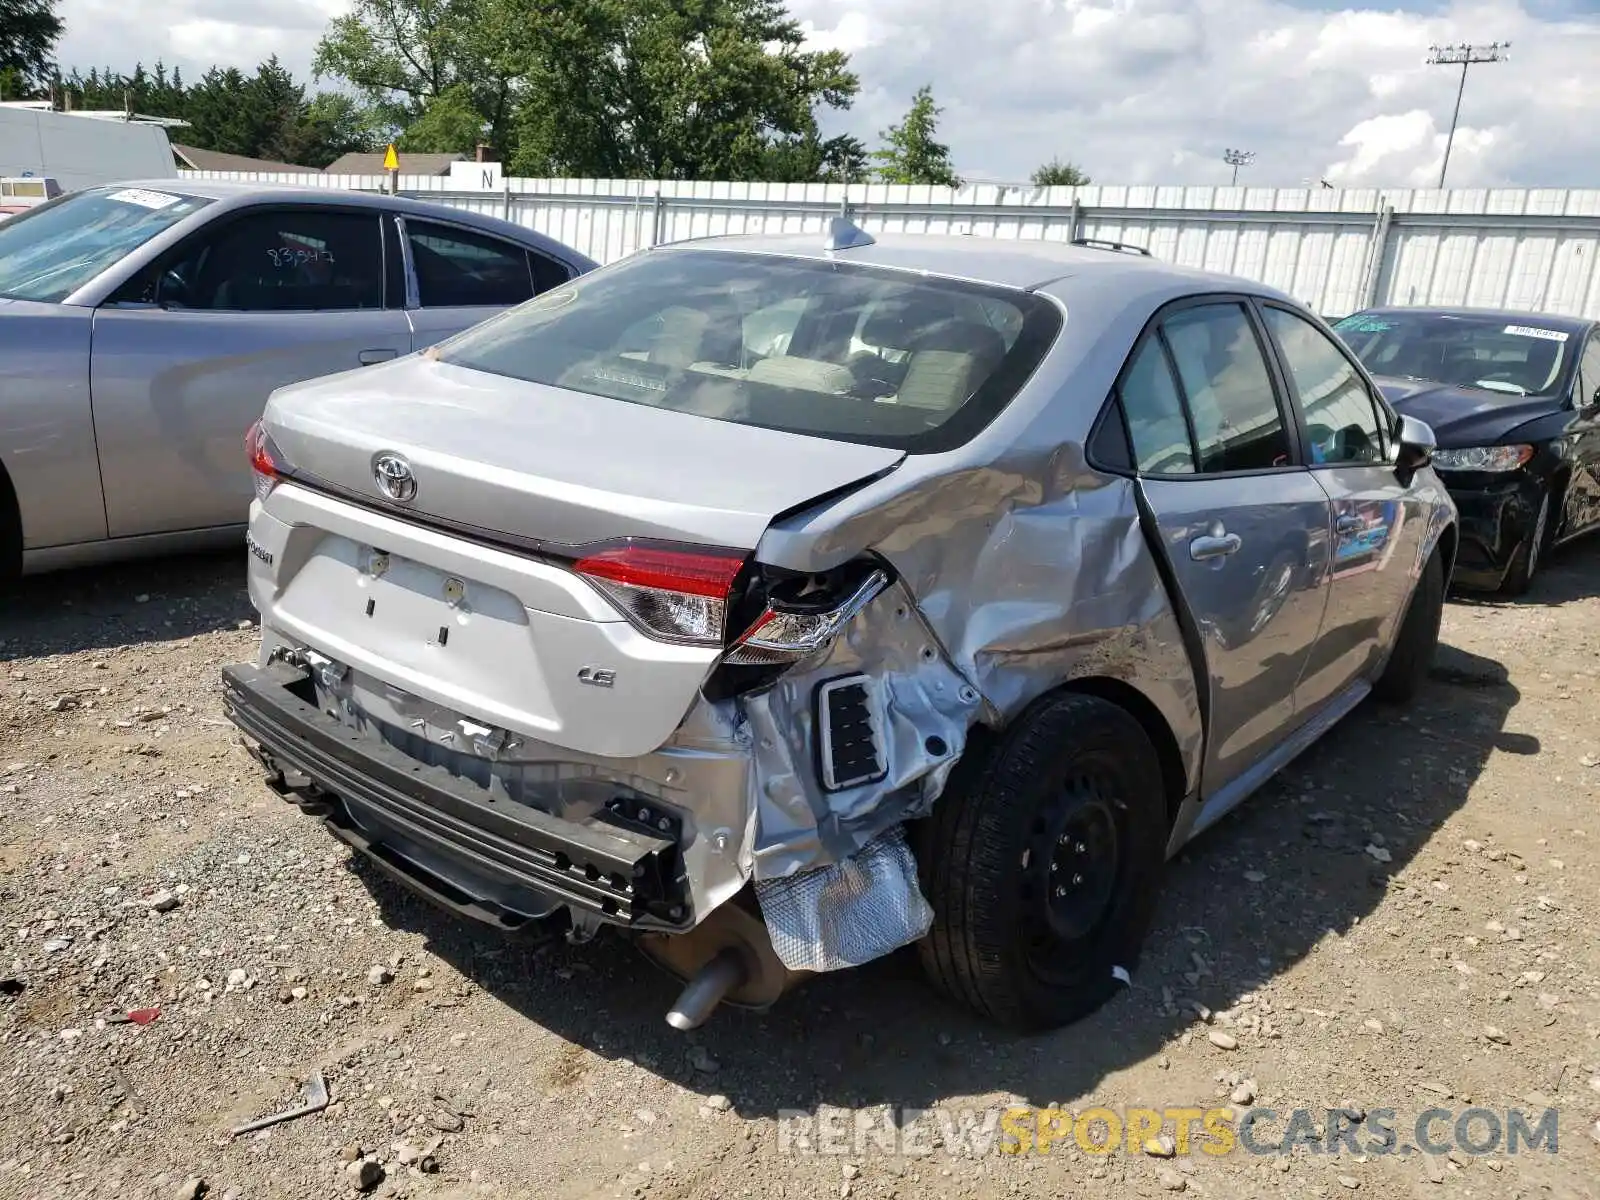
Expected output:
(1377, 522)
(185, 354)
(1243, 524)
(462, 276)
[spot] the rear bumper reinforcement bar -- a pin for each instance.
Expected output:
(620, 875)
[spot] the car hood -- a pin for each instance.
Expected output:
(546, 464)
(1462, 417)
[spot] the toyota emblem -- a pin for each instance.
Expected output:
(394, 478)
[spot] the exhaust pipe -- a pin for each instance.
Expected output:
(724, 973)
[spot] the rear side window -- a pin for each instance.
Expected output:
(830, 349)
(280, 260)
(1154, 409)
(1237, 423)
(547, 272)
(458, 269)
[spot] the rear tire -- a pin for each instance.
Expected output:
(1417, 638)
(1042, 861)
(1530, 555)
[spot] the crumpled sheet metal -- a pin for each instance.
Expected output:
(923, 700)
(706, 772)
(1031, 571)
(849, 913)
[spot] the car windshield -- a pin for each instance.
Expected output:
(51, 251)
(817, 347)
(1517, 356)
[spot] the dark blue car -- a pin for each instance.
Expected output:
(1514, 400)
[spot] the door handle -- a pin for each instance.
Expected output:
(1214, 545)
(1349, 523)
(368, 357)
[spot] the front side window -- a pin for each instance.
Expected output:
(1232, 402)
(830, 349)
(1491, 354)
(49, 252)
(279, 260)
(459, 269)
(1589, 375)
(1341, 422)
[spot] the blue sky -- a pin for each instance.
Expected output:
(1136, 91)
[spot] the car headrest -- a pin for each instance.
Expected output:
(899, 322)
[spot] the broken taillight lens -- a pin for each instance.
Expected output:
(266, 463)
(784, 634)
(673, 593)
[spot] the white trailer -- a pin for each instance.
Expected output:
(81, 150)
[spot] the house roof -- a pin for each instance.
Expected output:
(215, 160)
(410, 164)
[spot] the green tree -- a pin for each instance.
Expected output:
(404, 56)
(912, 154)
(277, 109)
(1057, 173)
(217, 109)
(336, 123)
(673, 89)
(264, 115)
(810, 159)
(450, 123)
(29, 30)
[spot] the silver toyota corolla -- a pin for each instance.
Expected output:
(143, 325)
(788, 601)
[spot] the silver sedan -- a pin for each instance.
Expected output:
(786, 601)
(142, 327)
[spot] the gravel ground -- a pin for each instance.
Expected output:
(1409, 918)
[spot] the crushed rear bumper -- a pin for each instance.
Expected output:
(450, 839)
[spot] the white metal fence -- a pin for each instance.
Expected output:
(1336, 250)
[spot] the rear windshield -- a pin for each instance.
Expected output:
(51, 251)
(835, 350)
(1518, 357)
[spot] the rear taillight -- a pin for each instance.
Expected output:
(786, 634)
(266, 464)
(673, 593)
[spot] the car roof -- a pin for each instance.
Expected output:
(233, 193)
(1028, 264)
(1563, 324)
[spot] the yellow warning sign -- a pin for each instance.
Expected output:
(391, 160)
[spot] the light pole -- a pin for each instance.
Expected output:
(1237, 159)
(1465, 55)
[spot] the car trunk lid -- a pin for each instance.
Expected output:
(536, 462)
(542, 645)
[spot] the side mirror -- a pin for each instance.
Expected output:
(1416, 444)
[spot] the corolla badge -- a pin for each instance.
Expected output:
(394, 478)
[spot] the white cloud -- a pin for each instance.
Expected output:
(1153, 90)
(1132, 90)
(193, 34)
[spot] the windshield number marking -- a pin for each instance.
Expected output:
(1549, 335)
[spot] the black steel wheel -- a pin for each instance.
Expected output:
(1042, 861)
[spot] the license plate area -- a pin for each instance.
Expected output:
(404, 597)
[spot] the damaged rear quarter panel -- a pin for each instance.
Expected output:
(1028, 567)
(1049, 581)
